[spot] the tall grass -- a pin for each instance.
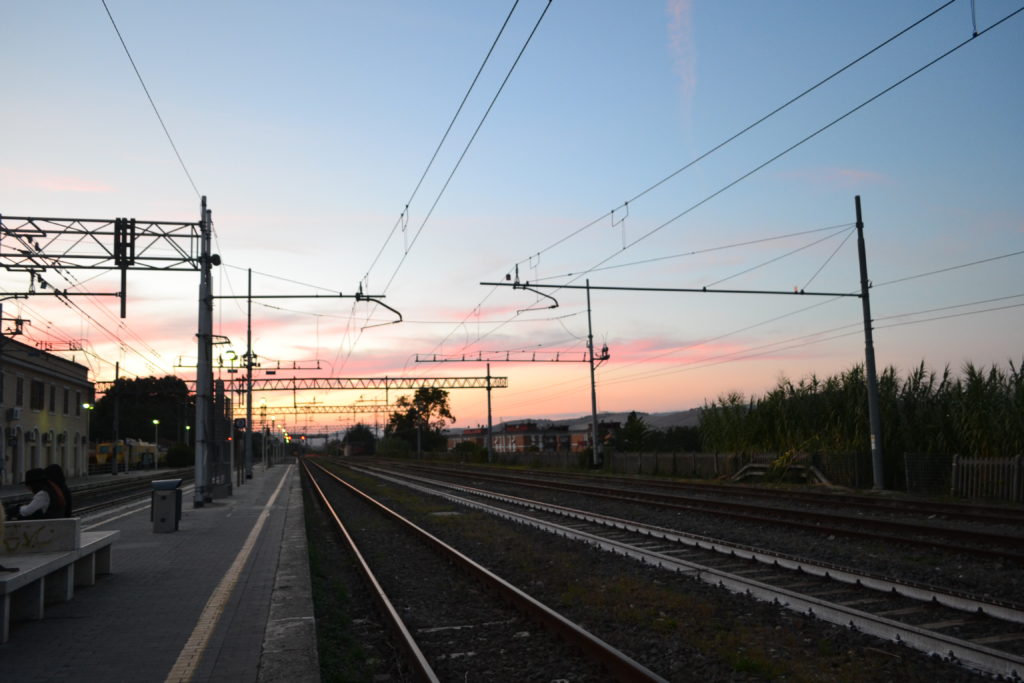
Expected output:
(979, 413)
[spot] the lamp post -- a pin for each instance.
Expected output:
(273, 432)
(88, 431)
(188, 435)
(156, 442)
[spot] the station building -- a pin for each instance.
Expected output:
(41, 413)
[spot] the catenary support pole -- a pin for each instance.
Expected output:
(3, 416)
(204, 364)
(248, 384)
(117, 421)
(877, 468)
(596, 454)
(490, 423)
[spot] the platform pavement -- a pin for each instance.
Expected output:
(188, 605)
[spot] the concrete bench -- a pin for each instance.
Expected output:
(53, 557)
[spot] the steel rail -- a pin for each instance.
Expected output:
(972, 654)
(414, 656)
(970, 512)
(617, 663)
(837, 524)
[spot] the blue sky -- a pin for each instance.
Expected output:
(309, 125)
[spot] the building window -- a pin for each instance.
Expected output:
(67, 399)
(19, 391)
(36, 395)
(78, 403)
(53, 398)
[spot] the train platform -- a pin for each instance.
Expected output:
(225, 598)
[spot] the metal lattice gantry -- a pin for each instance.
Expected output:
(346, 383)
(33, 244)
(376, 407)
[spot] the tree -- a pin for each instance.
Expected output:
(633, 436)
(359, 440)
(423, 418)
(140, 402)
(675, 440)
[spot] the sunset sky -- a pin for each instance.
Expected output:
(309, 125)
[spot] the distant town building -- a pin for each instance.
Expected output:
(41, 413)
(528, 435)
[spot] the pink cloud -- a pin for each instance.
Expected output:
(35, 181)
(682, 46)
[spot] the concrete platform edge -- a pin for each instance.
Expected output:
(289, 644)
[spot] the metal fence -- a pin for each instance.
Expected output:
(987, 478)
(997, 479)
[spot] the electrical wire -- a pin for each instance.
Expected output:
(404, 214)
(696, 252)
(802, 141)
(282, 279)
(781, 154)
(745, 130)
(469, 144)
(786, 255)
(950, 268)
(150, 98)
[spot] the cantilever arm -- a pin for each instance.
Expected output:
(365, 297)
(528, 288)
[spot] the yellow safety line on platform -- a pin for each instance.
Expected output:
(190, 655)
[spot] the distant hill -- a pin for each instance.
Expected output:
(660, 421)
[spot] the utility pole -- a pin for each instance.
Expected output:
(117, 420)
(3, 416)
(874, 417)
(490, 425)
(869, 370)
(596, 451)
(248, 384)
(204, 363)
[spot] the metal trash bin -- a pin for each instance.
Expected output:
(165, 508)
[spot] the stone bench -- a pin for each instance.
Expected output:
(53, 557)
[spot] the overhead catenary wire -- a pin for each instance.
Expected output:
(801, 142)
(437, 199)
(437, 150)
(150, 98)
(759, 167)
(743, 131)
(610, 372)
(697, 252)
(782, 256)
(787, 344)
(469, 144)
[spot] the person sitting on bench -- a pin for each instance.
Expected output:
(46, 503)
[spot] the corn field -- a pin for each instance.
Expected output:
(978, 414)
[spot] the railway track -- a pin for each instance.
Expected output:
(106, 493)
(903, 506)
(1000, 544)
(983, 635)
(441, 638)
